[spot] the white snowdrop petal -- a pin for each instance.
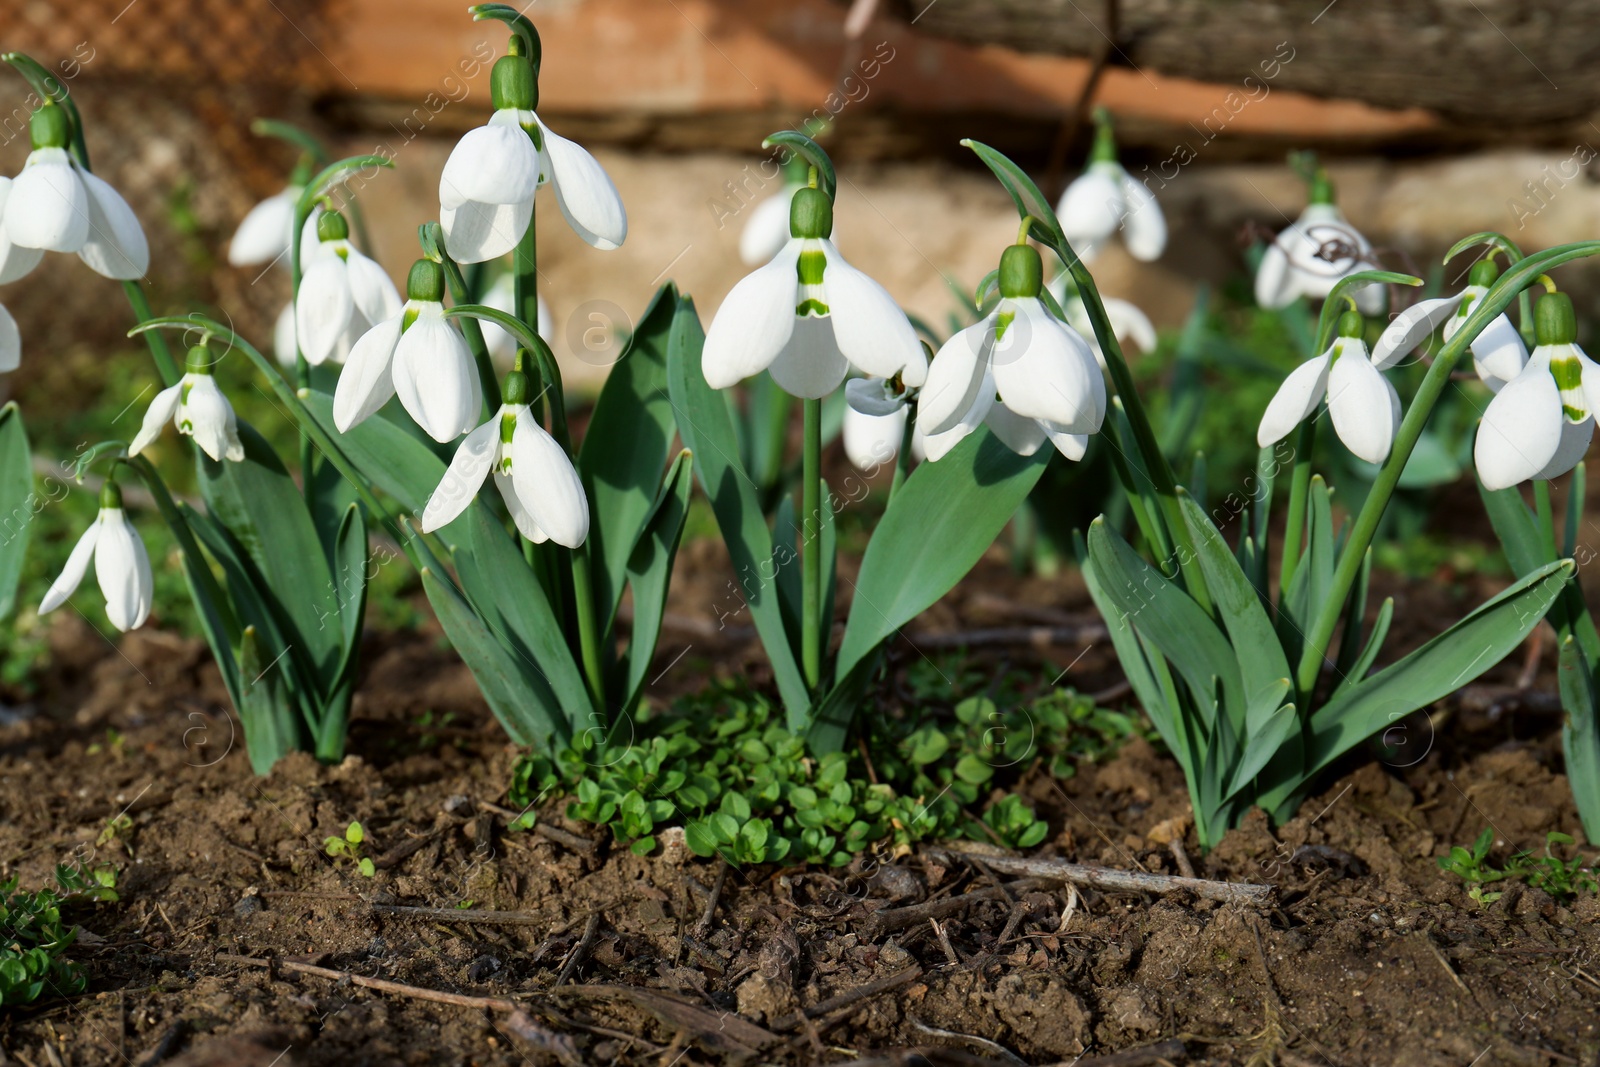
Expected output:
(210, 418)
(10, 342)
(548, 485)
(15, 261)
(72, 574)
(323, 308)
(872, 332)
(122, 567)
(116, 245)
(810, 363)
(754, 322)
(588, 200)
(1574, 445)
(520, 515)
(475, 233)
(1498, 351)
(156, 416)
(283, 339)
(373, 293)
(871, 441)
(1295, 399)
(1071, 445)
(871, 396)
(1522, 427)
(367, 381)
(1410, 328)
(1127, 322)
(264, 232)
(1144, 227)
(1022, 436)
(1362, 403)
(1043, 370)
(935, 446)
(1275, 282)
(48, 207)
(956, 378)
(468, 468)
(1091, 209)
(767, 228)
(442, 395)
(493, 164)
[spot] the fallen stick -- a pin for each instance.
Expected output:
(1109, 878)
(382, 984)
(463, 915)
(850, 996)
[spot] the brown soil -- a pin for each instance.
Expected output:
(1367, 955)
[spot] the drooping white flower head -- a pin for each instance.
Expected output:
(1364, 406)
(342, 293)
(1128, 323)
(419, 355)
(501, 295)
(1498, 353)
(487, 188)
(807, 317)
(197, 408)
(10, 342)
(1106, 198)
(55, 205)
(1312, 254)
(766, 230)
(541, 489)
(267, 231)
(1540, 423)
(1020, 370)
(872, 441)
(121, 565)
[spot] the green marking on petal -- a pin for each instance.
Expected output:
(1574, 415)
(408, 318)
(810, 266)
(1001, 321)
(185, 426)
(508, 424)
(1567, 372)
(183, 394)
(811, 306)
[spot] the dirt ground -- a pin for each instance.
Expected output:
(1364, 954)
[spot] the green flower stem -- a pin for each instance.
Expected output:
(461, 293)
(1295, 522)
(302, 366)
(902, 458)
(525, 277)
(165, 366)
(811, 546)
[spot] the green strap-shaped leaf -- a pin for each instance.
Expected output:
(626, 449)
(389, 457)
(18, 503)
(1580, 735)
(706, 426)
(272, 729)
(830, 722)
(351, 574)
(940, 522)
(1369, 653)
(1440, 667)
(1514, 524)
(650, 572)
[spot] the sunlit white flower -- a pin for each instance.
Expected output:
(1128, 323)
(198, 409)
(766, 231)
(121, 565)
(1312, 254)
(541, 489)
(1540, 423)
(808, 316)
(502, 297)
(1019, 370)
(1498, 353)
(267, 231)
(1106, 198)
(54, 205)
(487, 188)
(10, 342)
(1364, 406)
(342, 292)
(872, 441)
(419, 355)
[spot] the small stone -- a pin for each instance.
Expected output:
(481, 968)
(248, 904)
(454, 804)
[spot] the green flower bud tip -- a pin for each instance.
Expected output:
(1484, 272)
(110, 495)
(1021, 272)
(50, 127)
(810, 214)
(1352, 324)
(511, 83)
(426, 281)
(332, 227)
(199, 360)
(1321, 187)
(517, 388)
(1553, 320)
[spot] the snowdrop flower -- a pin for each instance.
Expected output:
(267, 231)
(10, 342)
(1498, 353)
(1540, 424)
(808, 316)
(420, 356)
(54, 205)
(341, 292)
(197, 407)
(1310, 256)
(871, 441)
(1364, 406)
(1105, 198)
(502, 297)
(534, 475)
(121, 565)
(486, 191)
(766, 231)
(1128, 323)
(1021, 371)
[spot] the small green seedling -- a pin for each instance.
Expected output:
(1549, 872)
(117, 828)
(33, 954)
(349, 847)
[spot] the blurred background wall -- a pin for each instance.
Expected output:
(674, 96)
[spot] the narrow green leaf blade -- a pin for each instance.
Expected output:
(17, 502)
(650, 571)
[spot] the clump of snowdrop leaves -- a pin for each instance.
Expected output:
(1020, 371)
(487, 188)
(197, 408)
(1364, 406)
(56, 205)
(808, 316)
(1540, 424)
(121, 565)
(1105, 198)
(342, 294)
(418, 355)
(536, 479)
(1312, 254)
